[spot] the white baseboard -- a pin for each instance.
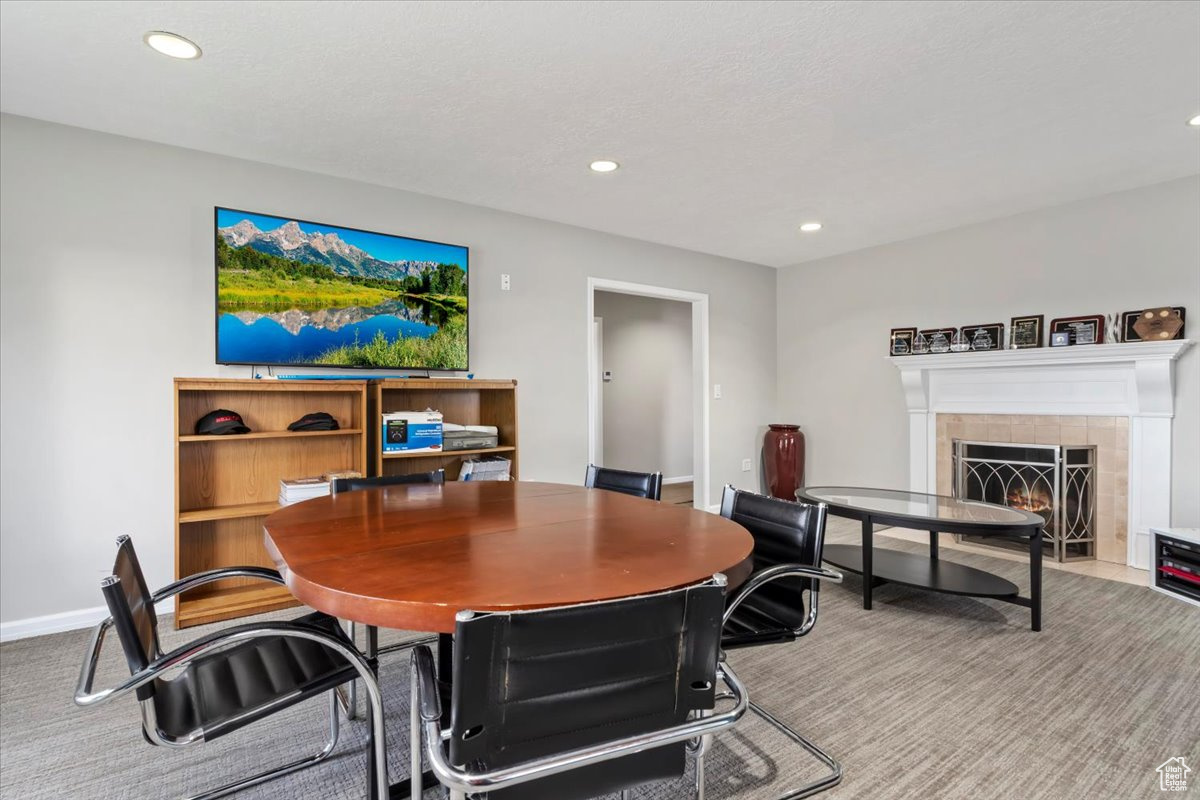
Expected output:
(57, 623)
(680, 479)
(51, 623)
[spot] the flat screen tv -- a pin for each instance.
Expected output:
(299, 293)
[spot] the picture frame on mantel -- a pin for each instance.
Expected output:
(938, 338)
(1130, 333)
(984, 337)
(901, 341)
(1026, 332)
(1087, 329)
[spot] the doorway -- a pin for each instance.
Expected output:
(647, 378)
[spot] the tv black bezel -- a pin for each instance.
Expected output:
(217, 297)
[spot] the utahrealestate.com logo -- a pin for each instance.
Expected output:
(1173, 775)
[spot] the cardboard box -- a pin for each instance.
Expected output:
(412, 432)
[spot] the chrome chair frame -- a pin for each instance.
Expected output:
(164, 663)
(372, 651)
(766, 576)
(426, 717)
(757, 581)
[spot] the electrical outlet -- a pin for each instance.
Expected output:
(745, 465)
(716, 391)
(505, 282)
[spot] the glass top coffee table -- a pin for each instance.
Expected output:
(936, 514)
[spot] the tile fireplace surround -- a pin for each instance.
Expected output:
(1110, 435)
(1110, 395)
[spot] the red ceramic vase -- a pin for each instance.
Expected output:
(783, 460)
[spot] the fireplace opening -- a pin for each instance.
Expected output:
(1057, 482)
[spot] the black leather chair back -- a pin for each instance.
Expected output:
(785, 532)
(533, 684)
(132, 609)
(638, 484)
(354, 484)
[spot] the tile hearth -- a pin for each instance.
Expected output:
(1110, 435)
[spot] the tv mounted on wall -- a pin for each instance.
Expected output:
(298, 293)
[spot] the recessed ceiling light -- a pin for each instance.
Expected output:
(172, 44)
(810, 227)
(1195, 121)
(604, 166)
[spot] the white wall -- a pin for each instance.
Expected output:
(1114, 253)
(106, 293)
(648, 403)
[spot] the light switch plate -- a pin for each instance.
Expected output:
(716, 391)
(505, 282)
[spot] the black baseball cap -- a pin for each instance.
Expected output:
(316, 421)
(221, 421)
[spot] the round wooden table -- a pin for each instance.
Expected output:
(410, 557)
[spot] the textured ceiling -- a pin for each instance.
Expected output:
(733, 122)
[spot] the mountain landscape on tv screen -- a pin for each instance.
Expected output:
(299, 293)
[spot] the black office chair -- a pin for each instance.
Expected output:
(354, 484)
(579, 701)
(638, 484)
(228, 679)
(770, 607)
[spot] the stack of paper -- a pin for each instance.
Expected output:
(495, 468)
(295, 490)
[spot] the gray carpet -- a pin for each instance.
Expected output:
(926, 696)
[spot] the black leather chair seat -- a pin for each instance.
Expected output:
(755, 622)
(228, 689)
(769, 615)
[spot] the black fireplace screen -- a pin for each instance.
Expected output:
(1055, 481)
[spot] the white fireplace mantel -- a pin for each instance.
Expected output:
(1134, 380)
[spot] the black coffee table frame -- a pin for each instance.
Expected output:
(910, 569)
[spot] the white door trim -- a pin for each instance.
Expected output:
(700, 402)
(597, 389)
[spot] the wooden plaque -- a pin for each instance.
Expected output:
(1152, 323)
(901, 342)
(931, 333)
(985, 337)
(1081, 330)
(1025, 332)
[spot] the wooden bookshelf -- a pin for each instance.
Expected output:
(465, 402)
(226, 485)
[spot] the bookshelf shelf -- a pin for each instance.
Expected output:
(223, 489)
(234, 601)
(450, 453)
(254, 435)
(240, 511)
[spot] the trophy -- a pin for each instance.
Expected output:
(920, 345)
(959, 343)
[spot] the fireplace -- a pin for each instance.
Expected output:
(1057, 482)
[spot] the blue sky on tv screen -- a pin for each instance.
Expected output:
(381, 246)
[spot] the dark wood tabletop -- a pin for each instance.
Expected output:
(410, 557)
